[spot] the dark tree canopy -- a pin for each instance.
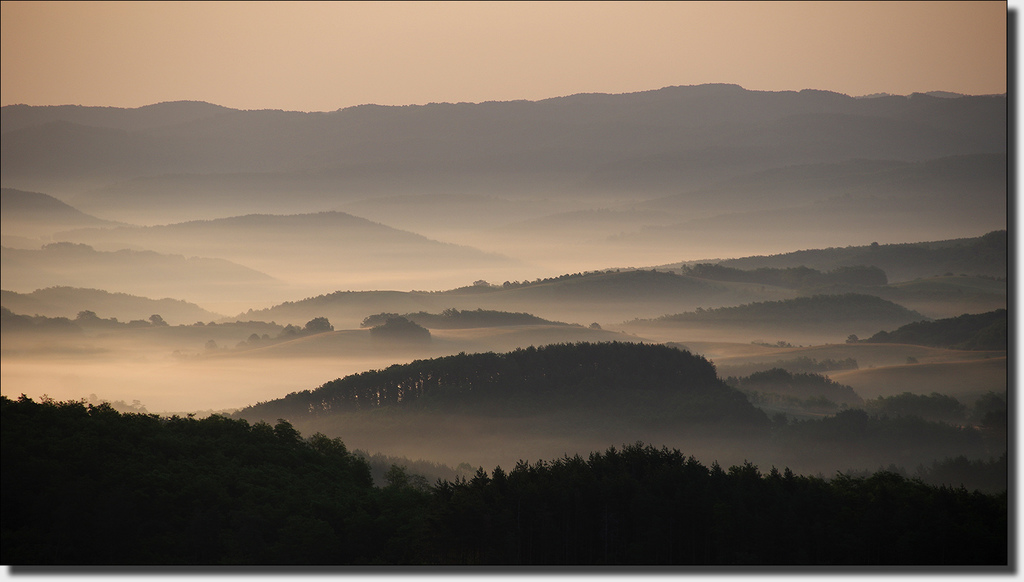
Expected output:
(400, 328)
(803, 385)
(317, 325)
(89, 485)
(612, 376)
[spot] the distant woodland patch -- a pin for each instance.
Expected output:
(983, 331)
(985, 255)
(454, 319)
(811, 391)
(792, 277)
(843, 308)
(610, 283)
(401, 329)
(801, 364)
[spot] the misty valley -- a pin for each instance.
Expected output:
(694, 326)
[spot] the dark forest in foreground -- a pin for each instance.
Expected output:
(89, 485)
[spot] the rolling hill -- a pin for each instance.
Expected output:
(984, 331)
(965, 380)
(971, 273)
(144, 273)
(801, 206)
(579, 298)
(455, 319)
(660, 384)
(818, 319)
(948, 295)
(325, 249)
(985, 255)
(69, 301)
(37, 216)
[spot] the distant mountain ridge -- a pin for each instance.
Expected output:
(659, 141)
(14, 117)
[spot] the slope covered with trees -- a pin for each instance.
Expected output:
(811, 390)
(454, 319)
(815, 310)
(89, 485)
(793, 277)
(985, 255)
(983, 331)
(606, 379)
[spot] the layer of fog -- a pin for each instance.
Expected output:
(571, 189)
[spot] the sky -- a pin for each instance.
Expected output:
(323, 56)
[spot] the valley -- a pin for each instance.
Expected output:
(193, 276)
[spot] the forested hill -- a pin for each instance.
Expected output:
(985, 255)
(984, 331)
(815, 310)
(596, 295)
(791, 277)
(88, 485)
(454, 319)
(623, 378)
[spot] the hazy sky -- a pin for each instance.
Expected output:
(321, 56)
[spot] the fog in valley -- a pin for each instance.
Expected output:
(186, 257)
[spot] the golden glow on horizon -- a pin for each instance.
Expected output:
(317, 56)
